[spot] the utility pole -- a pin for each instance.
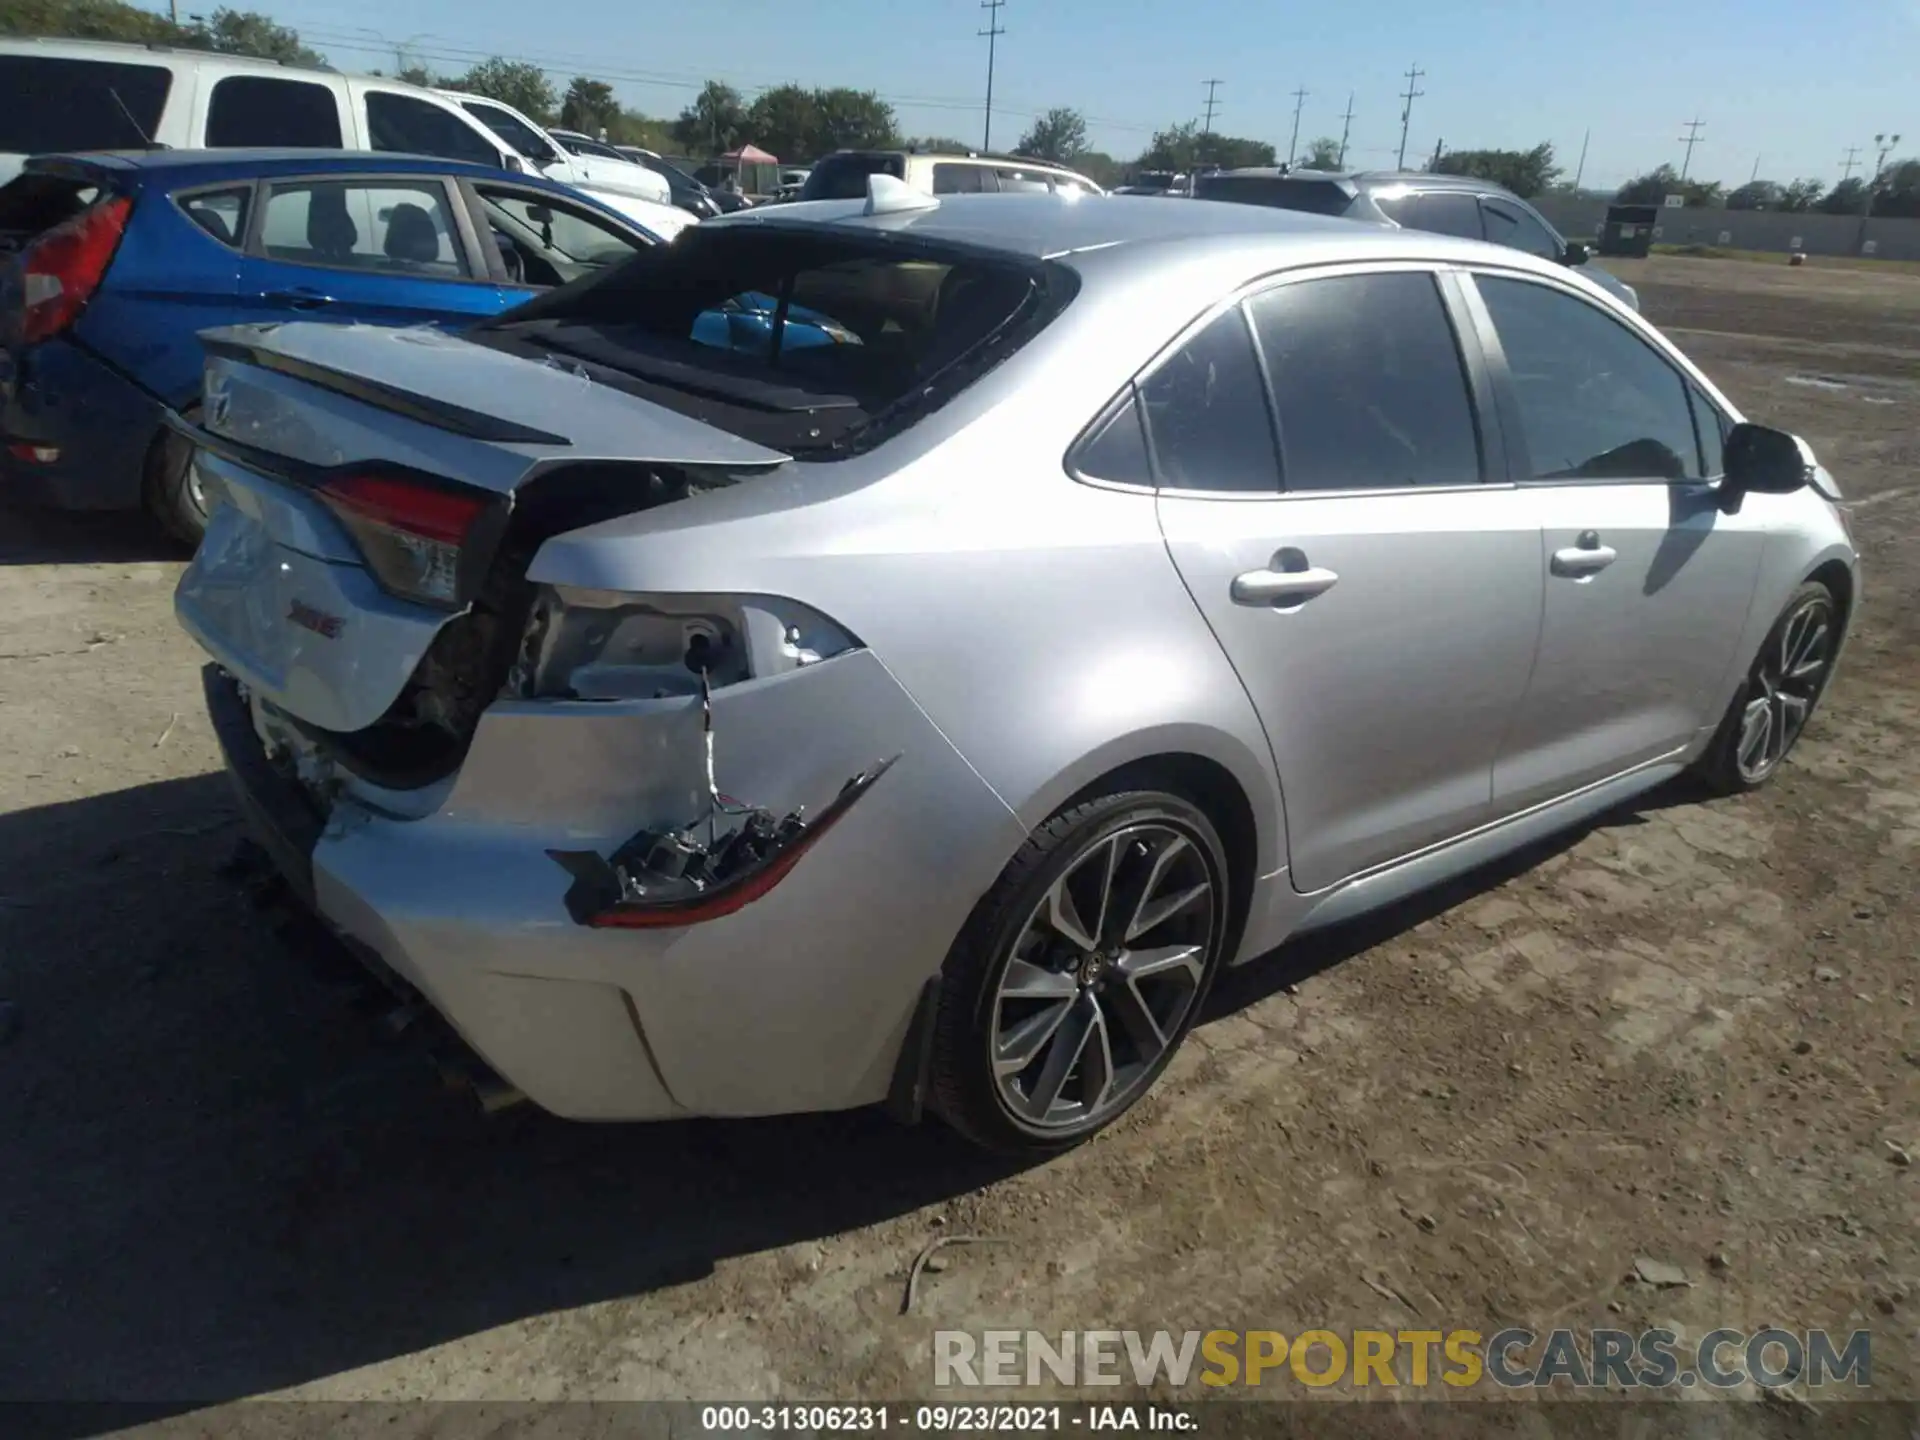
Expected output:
(993, 32)
(1756, 170)
(1885, 143)
(1439, 149)
(1346, 129)
(1411, 94)
(1853, 159)
(1293, 146)
(1690, 139)
(1206, 124)
(1581, 169)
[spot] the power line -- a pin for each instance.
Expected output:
(1346, 129)
(1411, 94)
(1293, 145)
(993, 32)
(1690, 139)
(1206, 125)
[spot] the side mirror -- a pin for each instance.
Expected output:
(1761, 461)
(540, 214)
(1577, 253)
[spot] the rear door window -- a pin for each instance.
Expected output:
(510, 128)
(389, 225)
(1207, 415)
(1513, 227)
(953, 178)
(417, 127)
(1368, 383)
(221, 213)
(79, 104)
(844, 177)
(265, 110)
(1021, 182)
(1312, 197)
(1444, 212)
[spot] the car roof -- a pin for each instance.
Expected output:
(1048, 226)
(1367, 179)
(62, 47)
(239, 163)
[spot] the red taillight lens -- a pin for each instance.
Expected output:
(63, 268)
(411, 534)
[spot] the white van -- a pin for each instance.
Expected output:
(562, 155)
(64, 95)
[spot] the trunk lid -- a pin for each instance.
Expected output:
(283, 591)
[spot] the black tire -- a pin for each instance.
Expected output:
(171, 497)
(1720, 766)
(965, 1091)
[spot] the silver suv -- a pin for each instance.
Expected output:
(1460, 205)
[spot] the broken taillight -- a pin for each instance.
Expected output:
(410, 533)
(61, 270)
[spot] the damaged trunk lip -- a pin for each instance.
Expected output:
(600, 895)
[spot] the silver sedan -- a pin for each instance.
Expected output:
(901, 651)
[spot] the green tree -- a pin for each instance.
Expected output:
(1800, 195)
(1322, 154)
(589, 106)
(847, 120)
(782, 120)
(1060, 135)
(419, 75)
(1849, 197)
(1653, 188)
(1101, 168)
(939, 144)
(512, 82)
(245, 32)
(1897, 190)
(1183, 147)
(85, 20)
(1525, 172)
(714, 122)
(1755, 195)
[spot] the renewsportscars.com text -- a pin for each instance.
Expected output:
(1511, 1359)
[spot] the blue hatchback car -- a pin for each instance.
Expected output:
(112, 263)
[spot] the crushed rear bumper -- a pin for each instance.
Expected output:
(799, 1001)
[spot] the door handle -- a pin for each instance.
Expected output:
(298, 299)
(1585, 560)
(1281, 587)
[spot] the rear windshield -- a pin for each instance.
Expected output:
(32, 202)
(817, 344)
(1316, 197)
(844, 177)
(78, 104)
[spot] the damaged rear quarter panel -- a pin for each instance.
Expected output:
(797, 1002)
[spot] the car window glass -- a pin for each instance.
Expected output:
(1207, 414)
(262, 110)
(1596, 401)
(844, 177)
(1397, 208)
(1067, 185)
(571, 234)
(388, 226)
(953, 179)
(221, 213)
(510, 128)
(418, 127)
(1020, 182)
(1711, 426)
(1446, 212)
(1368, 383)
(1511, 226)
(70, 104)
(1117, 451)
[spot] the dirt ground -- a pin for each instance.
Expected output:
(1686, 1032)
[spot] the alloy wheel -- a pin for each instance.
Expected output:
(1786, 681)
(1103, 976)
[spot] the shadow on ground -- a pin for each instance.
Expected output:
(56, 537)
(220, 1181)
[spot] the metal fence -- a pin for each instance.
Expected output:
(1768, 230)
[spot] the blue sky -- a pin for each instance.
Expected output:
(1789, 83)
